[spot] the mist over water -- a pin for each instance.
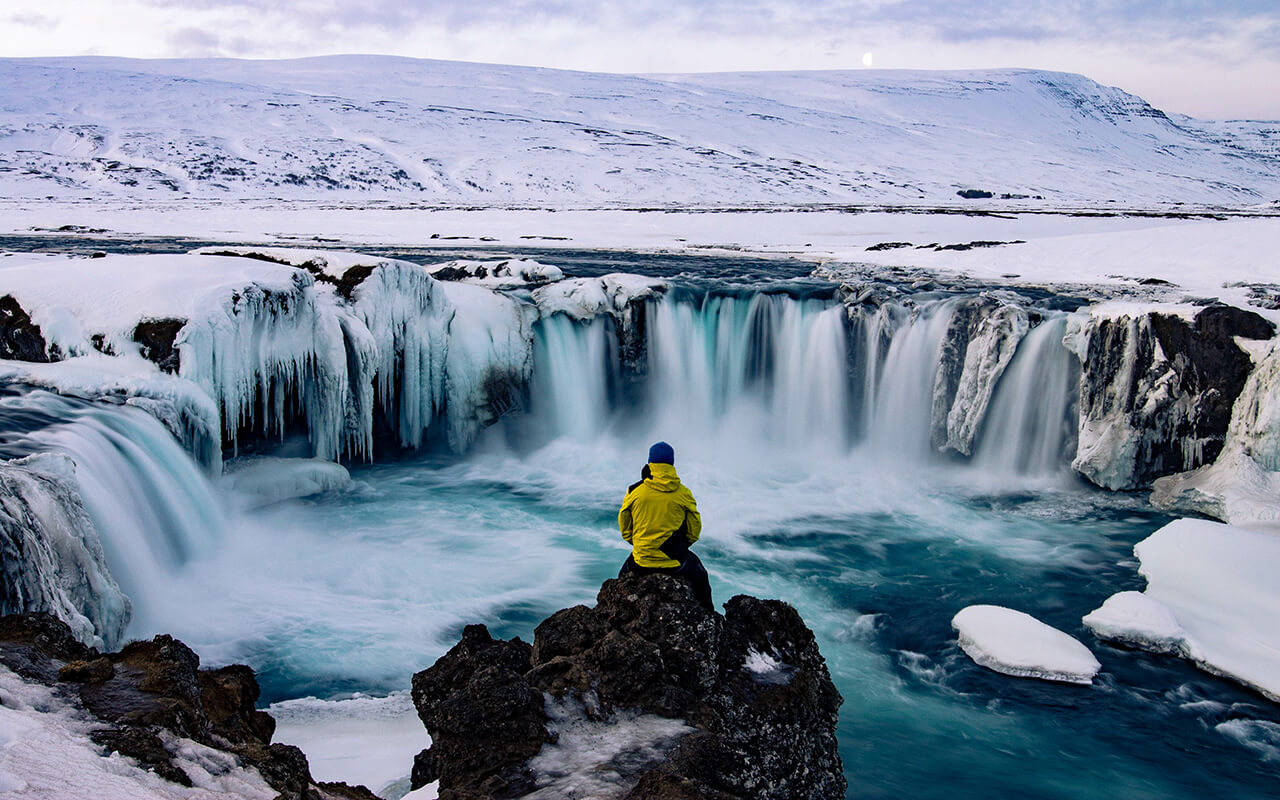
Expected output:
(805, 439)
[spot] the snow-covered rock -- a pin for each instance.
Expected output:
(511, 273)
(1242, 487)
(332, 265)
(1014, 643)
(52, 557)
(621, 296)
(981, 339)
(1235, 489)
(46, 752)
(586, 298)
(1157, 388)
(263, 480)
(1211, 597)
(185, 409)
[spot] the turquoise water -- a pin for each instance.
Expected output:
(358, 589)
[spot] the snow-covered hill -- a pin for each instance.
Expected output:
(356, 128)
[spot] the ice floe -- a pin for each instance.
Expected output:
(1211, 597)
(1014, 643)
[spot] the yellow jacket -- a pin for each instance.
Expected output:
(652, 511)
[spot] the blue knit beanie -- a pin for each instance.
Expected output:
(661, 453)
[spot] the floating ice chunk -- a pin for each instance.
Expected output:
(1015, 643)
(1219, 584)
(361, 739)
(506, 274)
(263, 480)
(1135, 619)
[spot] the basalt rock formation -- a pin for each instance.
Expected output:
(715, 707)
(1157, 391)
(153, 691)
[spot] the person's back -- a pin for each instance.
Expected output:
(659, 519)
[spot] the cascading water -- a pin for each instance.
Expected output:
(1028, 429)
(780, 372)
(765, 366)
(899, 391)
(575, 375)
(153, 507)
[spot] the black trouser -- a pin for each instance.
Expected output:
(691, 569)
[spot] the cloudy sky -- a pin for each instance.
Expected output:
(1200, 57)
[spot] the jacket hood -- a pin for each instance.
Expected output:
(663, 477)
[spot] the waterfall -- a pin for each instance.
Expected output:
(152, 505)
(900, 400)
(1029, 428)
(574, 376)
(768, 370)
(767, 367)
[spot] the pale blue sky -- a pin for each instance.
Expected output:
(1212, 59)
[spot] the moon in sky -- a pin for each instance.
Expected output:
(866, 59)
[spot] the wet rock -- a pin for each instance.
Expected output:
(979, 344)
(485, 720)
(751, 684)
(20, 338)
(152, 691)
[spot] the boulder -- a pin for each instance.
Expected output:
(712, 707)
(153, 692)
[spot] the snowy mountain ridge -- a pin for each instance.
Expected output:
(350, 129)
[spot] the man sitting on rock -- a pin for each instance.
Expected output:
(659, 519)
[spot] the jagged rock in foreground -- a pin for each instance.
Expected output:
(152, 694)
(646, 695)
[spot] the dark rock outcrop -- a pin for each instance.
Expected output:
(20, 338)
(155, 338)
(1157, 390)
(751, 685)
(152, 689)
